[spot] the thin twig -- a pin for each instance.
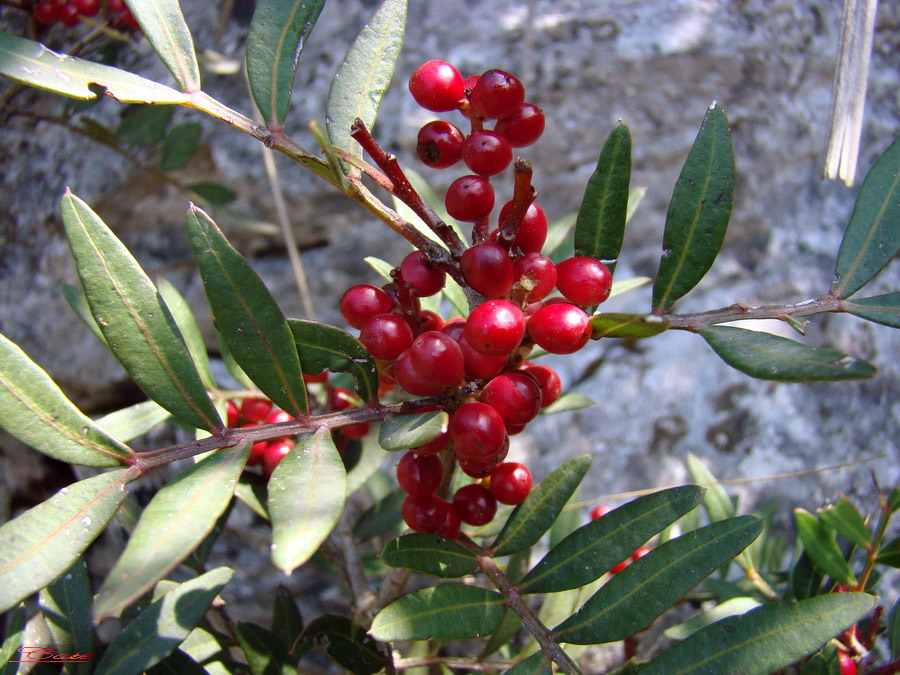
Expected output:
(691, 322)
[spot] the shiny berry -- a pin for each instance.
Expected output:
(516, 396)
(846, 664)
(523, 126)
(418, 272)
(437, 86)
(538, 272)
(599, 511)
(621, 566)
(46, 12)
(412, 380)
(477, 431)
(511, 483)
(116, 5)
(532, 232)
(450, 528)
(480, 366)
(640, 552)
(469, 198)
(321, 378)
(584, 281)
(68, 14)
(424, 513)
(435, 445)
(358, 430)
(361, 302)
(439, 144)
(548, 381)
(486, 153)
(438, 358)
(88, 7)
(488, 269)
(497, 94)
(475, 504)
(495, 327)
(429, 320)
(278, 417)
(273, 454)
(560, 328)
(419, 474)
(232, 414)
(255, 409)
(386, 336)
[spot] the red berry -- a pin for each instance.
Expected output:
(511, 482)
(548, 381)
(480, 366)
(419, 474)
(278, 417)
(386, 336)
(68, 14)
(255, 409)
(437, 86)
(532, 231)
(450, 528)
(439, 144)
(560, 328)
(584, 281)
(321, 378)
(846, 664)
(523, 126)
(486, 153)
(621, 566)
(495, 327)
(429, 320)
(412, 380)
(116, 5)
(419, 273)
(361, 302)
(539, 272)
(475, 504)
(342, 399)
(438, 358)
(358, 430)
(497, 94)
(470, 82)
(257, 449)
(482, 468)
(599, 511)
(273, 454)
(424, 513)
(469, 198)
(488, 269)
(88, 7)
(232, 415)
(435, 445)
(46, 12)
(515, 395)
(640, 552)
(478, 432)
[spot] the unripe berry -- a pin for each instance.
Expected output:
(437, 86)
(539, 272)
(515, 395)
(361, 302)
(488, 269)
(560, 328)
(439, 144)
(532, 232)
(475, 504)
(477, 431)
(584, 281)
(523, 126)
(386, 336)
(419, 474)
(495, 327)
(486, 153)
(497, 94)
(511, 483)
(469, 198)
(418, 272)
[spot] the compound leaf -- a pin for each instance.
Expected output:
(430, 554)
(883, 309)
(627, 325)
(698, 212)
(162, 23)
(402, 432)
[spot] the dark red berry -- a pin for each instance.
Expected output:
(46, 12)
(495, 327)
(255, 409)
(361, 302)
(424, 513)
(88, 7)
(538, 272)
(599, 511)
(437, 86)
(475, 504)
(438, 358)
(358, 430)
(482, 468)
(429, 320)
(450, 528)
(232, 414)
(486, 153)
(386, 336)
(342, 399)
(412, 381)
(470, 82)
(497, 94)
(419, 474)
(515, 395)
(116, 5)
(477, 431)
(532, 232)
(418, 272)
(584, 281)
(68, 14)
(257, 449)
(488, 269)
(435, 445)
(480, 366)
(454, 327)
(469, 198)
(273, 454)
(321, 378)
(548, 381)
(511, 482)
(846, 664)
(523, 126)
(560, 328)
(439, 144)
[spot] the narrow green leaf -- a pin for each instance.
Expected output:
(627, 325)
(771, 357)
(306, 496)
(144, 124)
(430, 554)
(600, 226)
(240, 377)
(893, 630)
(449, 611)
(187, 324)
(14, 638)
(162, 23)
(214, 193)
(883, 309)
(621, 286)
(731, 607)
(536, 664)
(805, 578)
(173, 524)
(287, 622)
(536, 514)
(843, 517)
(568, 403)
(179, 145)
(251, 490)
(597, 547)
(163, 625)
(890, 553)
(382, 516)
(819, 543)
(765, 639)
(178, 663)
(247, 316)
(323, 347)
(34, 65)
(698, 212)
(364, 74)
(872, 238)
(79, 304)
(266, 654)
(716, 501)
(138, 326)
(402, 432)
(276, 37)
(348, 644)
(381, 266)
(66, 607)
(42, 543)
(34, 410)
(894, 500)
(133, 421)
(633, 598)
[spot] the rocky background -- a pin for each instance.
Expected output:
(656, 65)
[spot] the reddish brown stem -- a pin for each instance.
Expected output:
(523, 196)
(691, 322)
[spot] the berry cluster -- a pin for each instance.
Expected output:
(69, 12)
(476, 366)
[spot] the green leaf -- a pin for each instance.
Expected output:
(162, 23)
(173, 524)
(536, 664)
(247, 316)
(33, 64)
(597, 547)
(771, 357)
(890, 553)
(34, 410)
(872, 238)
(698, 212)
(364, 74)
(366, 464)
(843, 517)
(15, 636)
(765, 639)
(430, 554)
(306, 496)
(536, 514)
(382, 516)
(179, 145)
(819, 543)
(215, 193)
(42, 543)
(449, 611)
(323, 347)
(240, 377)
(633, 598)
(348, 644)
(177, 663)
(893, 630)
(144, 124)
(600, 226)
(402, 432)
(133, 421)
(894, 500)
(731, 607)
(163, 625)
(883, 309)
(138, 327)
(287, 623)
(568, 403)
(276, 37)
(716, 501)
(805, 578)
(66, 607)
(187, 324)
(266, 654)
(79, 304)
(627, 325)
